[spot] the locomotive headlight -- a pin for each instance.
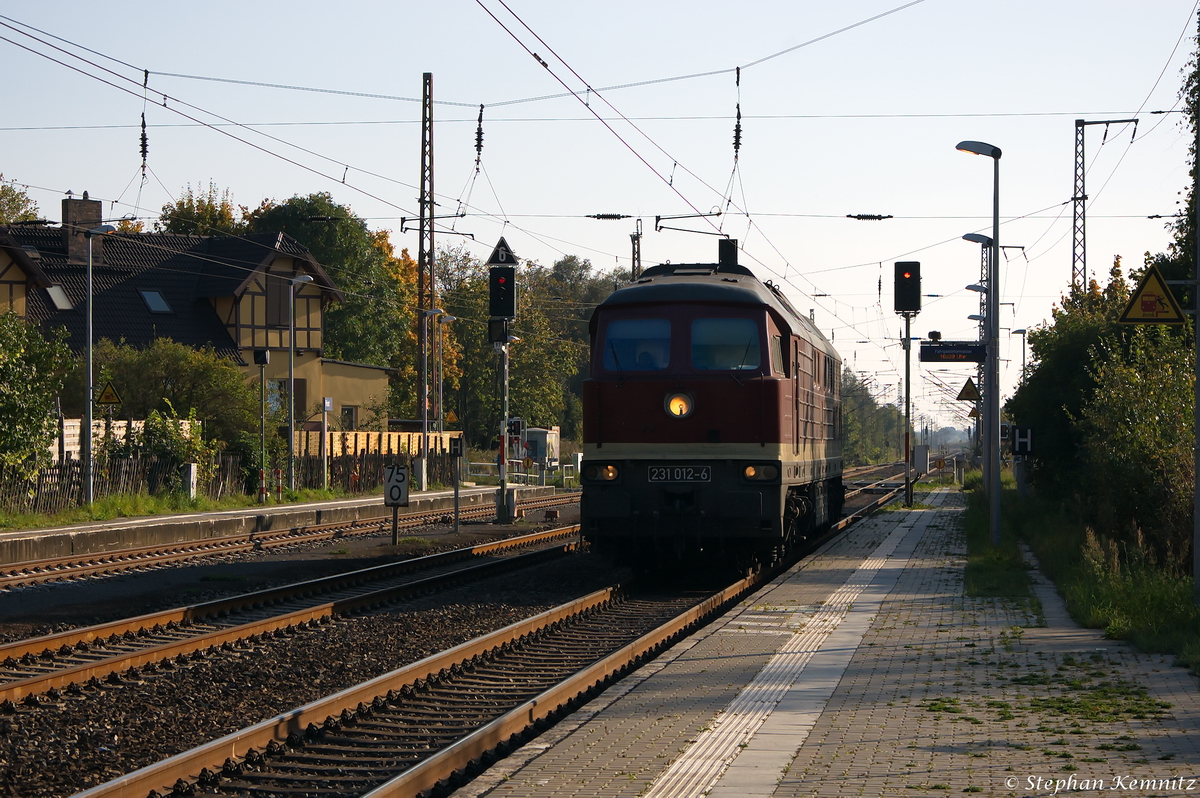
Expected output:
(760, 472)
(600, 473)
(679, 405)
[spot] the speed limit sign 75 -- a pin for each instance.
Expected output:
(395, 486)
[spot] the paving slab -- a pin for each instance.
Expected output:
(866, 671)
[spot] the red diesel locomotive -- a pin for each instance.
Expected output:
(711, 420)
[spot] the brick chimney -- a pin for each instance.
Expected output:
(79, 216)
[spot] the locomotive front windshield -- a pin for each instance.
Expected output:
(637, 345)
(725, 345)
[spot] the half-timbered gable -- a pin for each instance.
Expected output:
(19, 274)
(231, 293)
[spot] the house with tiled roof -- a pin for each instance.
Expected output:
(227, 292)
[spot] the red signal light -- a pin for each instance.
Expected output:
(906, 275)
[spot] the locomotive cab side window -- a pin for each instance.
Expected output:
(777, 355)
(725, 345)
(637, 345)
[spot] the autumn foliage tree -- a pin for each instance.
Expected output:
(15, 204)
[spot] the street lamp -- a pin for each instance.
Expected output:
(992, 397)
(85, 437)
(447, 319)
(422, 461)
(292, 283)
(1022, 334)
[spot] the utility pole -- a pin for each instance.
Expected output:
(635, 268)
(1079, 199)
(425, 257)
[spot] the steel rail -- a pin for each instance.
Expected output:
(457, 758)
(75, 566)
(187, 765)
(17, 690)
(455, 761)
(866, 488)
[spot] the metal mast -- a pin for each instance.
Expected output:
(425, 255)
(1079, 276)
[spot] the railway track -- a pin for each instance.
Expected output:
(432, 724)
(67, 660)
(407, 731)
(157, 556)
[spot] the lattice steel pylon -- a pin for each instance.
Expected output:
(1079, 276)
(1079, 201)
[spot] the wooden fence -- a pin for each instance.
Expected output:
(384, 443)
(59, 487)
(363, 472)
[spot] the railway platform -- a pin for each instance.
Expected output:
(121, 533)
(865, 670)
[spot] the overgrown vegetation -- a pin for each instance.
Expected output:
(107, 508)
(1117, 586)
(991, 571)
(871, 431)
(1112, 408)
(31, 369)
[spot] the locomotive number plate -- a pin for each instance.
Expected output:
(672, 473)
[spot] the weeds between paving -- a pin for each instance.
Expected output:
(1119, 588)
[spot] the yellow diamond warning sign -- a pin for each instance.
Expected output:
(1152, 302)
(969, 392)
(109, 396)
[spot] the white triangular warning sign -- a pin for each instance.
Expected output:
(1152, 302)
(108, 396)
(969, 392)
(502, 255)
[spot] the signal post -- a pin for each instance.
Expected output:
(502, 308)
(908, 304)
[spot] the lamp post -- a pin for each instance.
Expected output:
(292, 283)
(992, 397)
(423, 460)
(1021, 333)
(85, 432)
(446, 319)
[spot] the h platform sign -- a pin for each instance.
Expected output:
(1022, 440)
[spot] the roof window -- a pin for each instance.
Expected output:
(155, 302)
(59, 297)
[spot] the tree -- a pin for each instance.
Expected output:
(870, 431)
(376, 321)
(547, 365)
(31, 375)
(1058, 382)
(169, 378)
(1138, 441)
(15, 204)
(202, 213)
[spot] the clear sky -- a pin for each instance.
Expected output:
(863, 121)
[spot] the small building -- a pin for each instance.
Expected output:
(228, 292)
(542, 445)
